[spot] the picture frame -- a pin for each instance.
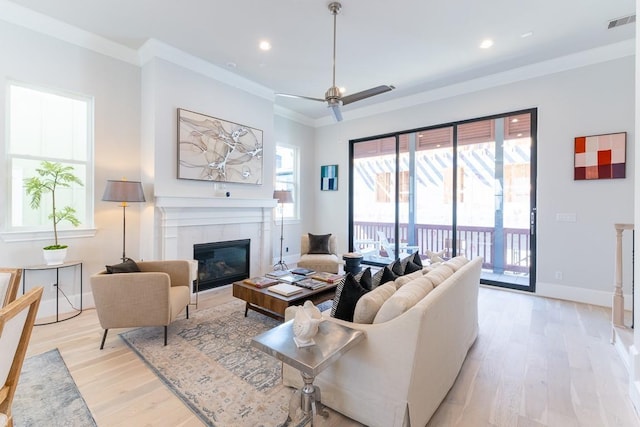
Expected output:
(329, 178)
(600, 156)
(213, 149)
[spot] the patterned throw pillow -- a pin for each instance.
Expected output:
(363, 278)
(351, 293)
(319, 244)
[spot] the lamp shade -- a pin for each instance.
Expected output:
(123, 191)
(283, 196)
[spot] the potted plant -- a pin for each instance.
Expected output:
(52, 176)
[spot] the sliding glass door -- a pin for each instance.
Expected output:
(465, 188)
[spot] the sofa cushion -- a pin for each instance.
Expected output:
(319, 243)
(128, 266)
(439, 274)
(456, 262)
(403, 299)
(407, 278)
(368, 305)
(351, 293)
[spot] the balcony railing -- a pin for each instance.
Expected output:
(512, 256)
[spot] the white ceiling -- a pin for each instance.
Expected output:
(415, 45)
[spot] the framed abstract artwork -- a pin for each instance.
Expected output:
(600, 156)
(329, 178)
(212, 149)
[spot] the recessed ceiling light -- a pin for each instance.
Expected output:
(514, 120)
(265, 45)
(486, 44)
(527, 34)
(519, 135)
(231, 64)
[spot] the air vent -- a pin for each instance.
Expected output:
(622, 21)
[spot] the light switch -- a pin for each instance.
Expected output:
(566, 217)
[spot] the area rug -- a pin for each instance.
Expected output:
(210, 364)
(48, 396)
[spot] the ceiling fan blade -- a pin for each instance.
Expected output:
(366, 94)
(287, 95)
(335, 110)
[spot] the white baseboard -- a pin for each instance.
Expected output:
(573, 293)
(290, 260)
(634, 378)
(47, 307)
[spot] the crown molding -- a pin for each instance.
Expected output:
(153, 48)
(35, 21)
(40, 23)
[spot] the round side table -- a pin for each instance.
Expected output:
(352, 262)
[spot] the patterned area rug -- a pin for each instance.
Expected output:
(48, 396)
(210, 364)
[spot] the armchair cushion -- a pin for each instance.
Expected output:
(319, 244)
(128, 266)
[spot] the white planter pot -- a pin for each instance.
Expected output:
(54, 256)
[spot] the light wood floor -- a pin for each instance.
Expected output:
(537, 362)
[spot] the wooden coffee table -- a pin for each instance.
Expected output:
(272, 304)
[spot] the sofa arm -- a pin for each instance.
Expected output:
(131, 299)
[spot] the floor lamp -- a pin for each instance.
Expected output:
(123, 191)
(283, 196)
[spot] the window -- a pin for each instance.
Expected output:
(52, 126)
(287, 179)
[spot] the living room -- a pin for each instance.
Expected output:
(137, 93)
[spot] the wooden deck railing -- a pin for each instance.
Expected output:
(513, 256)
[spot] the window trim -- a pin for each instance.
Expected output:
(9, 233)
(295, 218)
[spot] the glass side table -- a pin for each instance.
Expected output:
(332, 341)
(56, 267)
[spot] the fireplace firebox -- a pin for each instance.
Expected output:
(222, 263)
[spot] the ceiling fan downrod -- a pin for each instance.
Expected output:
(333, 93)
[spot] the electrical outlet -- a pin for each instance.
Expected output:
(558, 275)
(286, 249)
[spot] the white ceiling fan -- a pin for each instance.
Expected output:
(333, 97)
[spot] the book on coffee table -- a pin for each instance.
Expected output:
(291, 278)
(327, 277)
(277, 273)
(285, 289)
(260, 281)
(310, 283)
(303, 271)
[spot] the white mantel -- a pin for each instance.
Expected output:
(182, 222)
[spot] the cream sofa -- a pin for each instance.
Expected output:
(401, 372)
(329, 263)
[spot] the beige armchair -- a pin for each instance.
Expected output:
(153, 297)
(320, 262)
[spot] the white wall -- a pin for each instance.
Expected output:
(586, 101)
(291, 133)
(115, 86)
(167, 87)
